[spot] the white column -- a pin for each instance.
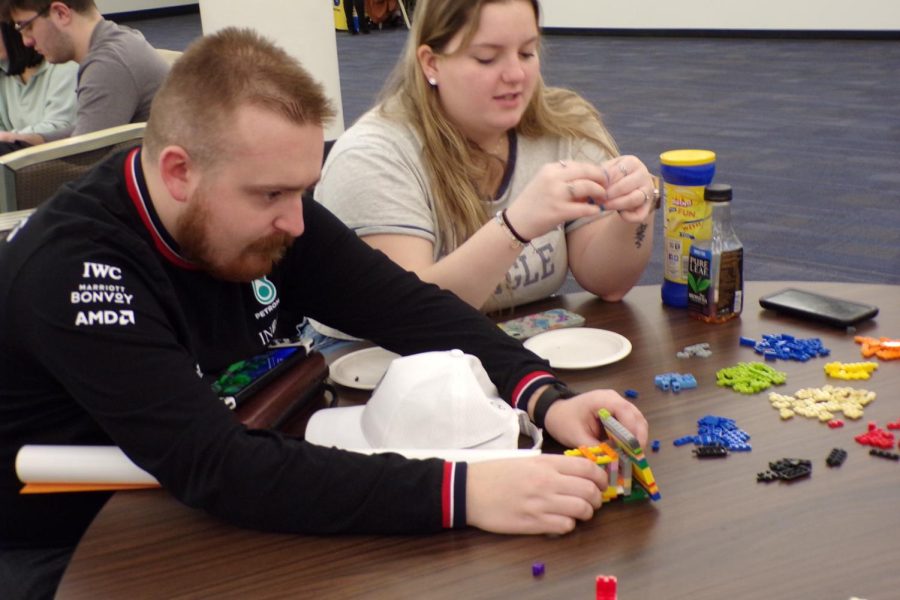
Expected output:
(304, 28)
(763, 15)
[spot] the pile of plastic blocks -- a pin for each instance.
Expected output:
(702, 350)
(749, 378)
(675, 382)
(718, 431)
(847, 371)
(786, 347)
(884, 348)
(786, 469)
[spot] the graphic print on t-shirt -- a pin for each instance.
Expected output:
(266, 294)
(102, 296)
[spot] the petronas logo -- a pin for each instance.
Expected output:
(265, 291)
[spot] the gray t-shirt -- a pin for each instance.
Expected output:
(116, 80)
(374, 181)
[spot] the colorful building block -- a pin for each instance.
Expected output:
(786, 347)
(702, 350)
(718, 431)
(884, 454)
(848, 371)
(606, 587)
(836, 458)
(675, 382)
(822, 403)
(786, 469)
(749, 378)
(628, 444)
(876, 437)
(710, 452)
(884, 348)
(608, 459)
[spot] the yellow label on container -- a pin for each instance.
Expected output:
(687, 218)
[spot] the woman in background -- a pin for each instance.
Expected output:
(479, 178)
(36, 98)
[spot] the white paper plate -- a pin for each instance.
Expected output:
(579, 347)
(362, 369)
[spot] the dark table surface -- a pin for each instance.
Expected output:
(716, 533)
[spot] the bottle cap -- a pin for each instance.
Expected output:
(717, 192)
(687, 157)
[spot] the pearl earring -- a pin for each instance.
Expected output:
(432, 81)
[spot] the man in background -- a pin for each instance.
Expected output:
(118, 70)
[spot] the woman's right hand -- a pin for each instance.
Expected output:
(560, 192)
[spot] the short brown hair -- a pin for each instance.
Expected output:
(218, 74)
(79, 6)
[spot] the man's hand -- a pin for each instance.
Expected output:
(32, 139)
(544, 494)
(574, 422)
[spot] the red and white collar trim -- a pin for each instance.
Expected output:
(140, 199)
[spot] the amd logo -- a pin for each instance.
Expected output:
(104, 317)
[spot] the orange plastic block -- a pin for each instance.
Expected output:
(608, 459)
(884, 348)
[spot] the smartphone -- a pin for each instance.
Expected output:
(244, 378)
(818, 307)
(531, 325)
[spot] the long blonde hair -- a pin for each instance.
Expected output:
(456, 166)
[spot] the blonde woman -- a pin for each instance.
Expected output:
(479, 178)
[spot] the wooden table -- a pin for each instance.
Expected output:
(717, 533)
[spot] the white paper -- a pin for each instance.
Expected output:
(109, 465)
(78, 464)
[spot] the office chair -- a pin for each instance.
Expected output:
(8, 221)
(32, 175)
(170, 56)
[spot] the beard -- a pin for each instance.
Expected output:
(254, 261)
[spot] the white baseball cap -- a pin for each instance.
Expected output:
(432, 400)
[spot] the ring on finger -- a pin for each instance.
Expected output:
(623, 169)
(646, 197)
(571, 187)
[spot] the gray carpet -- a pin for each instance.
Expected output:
(807, 131)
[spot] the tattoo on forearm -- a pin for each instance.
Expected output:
(639, 234)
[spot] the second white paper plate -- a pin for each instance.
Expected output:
(580, 347)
